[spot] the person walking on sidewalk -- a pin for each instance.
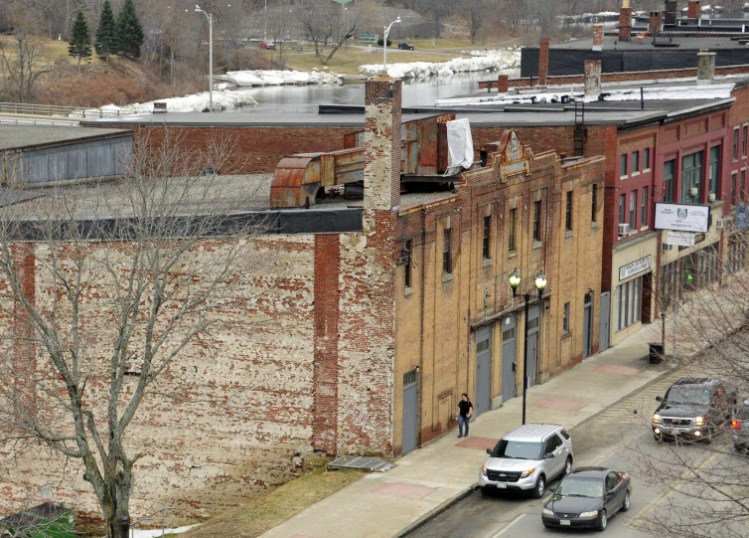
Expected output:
(465, 410)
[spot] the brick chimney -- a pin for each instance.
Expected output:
(705, 66)
(625, 21)
(382, 140)
(654, 23)
(598, 37)
(592, 79)
(543, 61)
(670, 13)
(503, 83)
(693, 9)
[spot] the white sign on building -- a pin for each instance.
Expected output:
(680, 239)
(682, 217)
(633, 268)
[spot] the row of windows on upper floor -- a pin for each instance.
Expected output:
(512, 229)
(640, 159)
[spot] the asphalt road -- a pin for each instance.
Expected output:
(619, 437)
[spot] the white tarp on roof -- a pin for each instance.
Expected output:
(459, 145)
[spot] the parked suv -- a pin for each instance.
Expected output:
(695, 408)
(526, 459)
(740, 426)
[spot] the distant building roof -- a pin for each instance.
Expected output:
(25, 136)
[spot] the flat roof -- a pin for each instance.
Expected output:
(24, 136)
(612, 43)
(248, 117)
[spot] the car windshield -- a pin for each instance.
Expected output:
(580, 487)
(521, 450)
(688, 395)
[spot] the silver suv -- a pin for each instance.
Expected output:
(526, 459)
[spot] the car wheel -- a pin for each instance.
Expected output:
(540, 488)
(626, 503)
(709, 435)
(658, 438)
(603, 521)
(567, 466)
(485, 491)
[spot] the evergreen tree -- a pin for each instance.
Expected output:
(129, 31)
(80, 40)
(106, 33)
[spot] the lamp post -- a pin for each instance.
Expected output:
(385, 43)
(540, 282)
(209, 17)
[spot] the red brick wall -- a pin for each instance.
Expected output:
(251, 149)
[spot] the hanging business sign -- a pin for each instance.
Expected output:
(682, 217)
(636, 267)
(680, 239)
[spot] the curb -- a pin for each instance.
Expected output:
(434, 512)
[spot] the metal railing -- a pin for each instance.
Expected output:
(33, 109)
(150, 517)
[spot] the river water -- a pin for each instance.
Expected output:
(304, 99)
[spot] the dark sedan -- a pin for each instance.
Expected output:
(588, 497)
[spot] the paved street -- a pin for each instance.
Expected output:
(618, 436)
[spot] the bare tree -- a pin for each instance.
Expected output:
(124, 258)
(330, 26)
(21, 55)
(707, 296)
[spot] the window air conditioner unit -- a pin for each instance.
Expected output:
(710, 196)
(720, 224)
(623, 229)
(693, 191)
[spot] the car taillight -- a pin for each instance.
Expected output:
(735, 424)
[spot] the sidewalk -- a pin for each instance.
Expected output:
(429, 479)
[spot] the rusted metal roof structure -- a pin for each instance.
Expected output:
(300, 179)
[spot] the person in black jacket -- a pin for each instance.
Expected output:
(465, 410)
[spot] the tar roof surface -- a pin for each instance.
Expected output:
(682, 43)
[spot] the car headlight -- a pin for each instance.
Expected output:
(483, 471)
(528, 472)
(656, 419)
(594, 513)
(547, 512)
(700, 421)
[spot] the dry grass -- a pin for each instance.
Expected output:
(348, 59)
(268, 511)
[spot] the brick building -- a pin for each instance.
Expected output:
(353, 338)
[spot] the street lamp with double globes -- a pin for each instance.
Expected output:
(540, 282)
(385, 43)
(209, 17)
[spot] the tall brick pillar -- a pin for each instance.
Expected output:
(625, 21)
(693, 9)
(543, 61)
(670, 13)
(24, 355)
(598, 37)
(382, 140)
